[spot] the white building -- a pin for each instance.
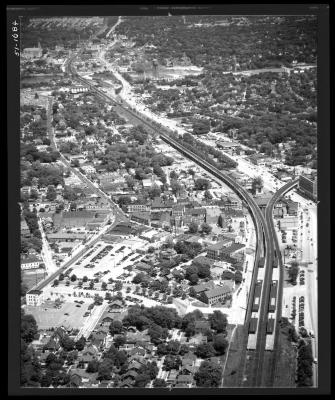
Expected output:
(30, 263)
(88, 169)
(34, 297)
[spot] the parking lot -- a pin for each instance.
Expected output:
(108, 260)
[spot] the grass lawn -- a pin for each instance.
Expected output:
(31, 278)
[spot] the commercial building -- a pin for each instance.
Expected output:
(308, 185)
(213, 251)
(32, 52)
(66, 237)
(34, 297)
(141, 217)
(288, 223)
(138, 207)
(217, 294)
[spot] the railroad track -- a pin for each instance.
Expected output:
(265, 239)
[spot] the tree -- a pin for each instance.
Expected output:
(105, 369)
(202, 184)
(293, 272)
(115, 327)
(257, 184)
(173, 175)
(194, 279)
(67, 343)
(98, 300)
(208, 196)
(85, 278)
(193, 227)
(205, 350)
(142, 380)
(80, 343)
(206, 229)
(103, 286)
(73, 278)
(119, 340)
(124, 200)
(61, 277)
(154, 191)
(55, 283)
(138, 278)
(220, 343)
(28, 328)
(93, 366)
(151, 249)
(51, 193)
(208, 375)
(159, 383)
(173, 347)
(204, 271)
(218, 321)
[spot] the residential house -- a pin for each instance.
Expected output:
(172, 376)
(127, 383)
(202, 326)
(116, 306)
(185, 379)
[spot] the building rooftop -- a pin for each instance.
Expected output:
(35, 291)
(217, 291)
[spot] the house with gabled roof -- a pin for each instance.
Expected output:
(127, 383)
(185, 379)
(172, 376)
(130, 375)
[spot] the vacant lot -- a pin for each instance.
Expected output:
(31, 278)
(47, 316)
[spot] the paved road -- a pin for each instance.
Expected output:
(114, 26)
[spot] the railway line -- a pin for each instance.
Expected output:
(261, 325)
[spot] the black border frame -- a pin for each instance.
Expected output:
(13, 162)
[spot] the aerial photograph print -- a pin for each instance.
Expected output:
(168, 201)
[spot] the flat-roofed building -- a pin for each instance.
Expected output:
(34, 297)
(308, 185)
(288, 223)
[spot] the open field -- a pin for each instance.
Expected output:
(47, 316)
(31, 278)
